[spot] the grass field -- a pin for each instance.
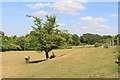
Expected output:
(68, 63)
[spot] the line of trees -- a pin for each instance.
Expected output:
(46, 36)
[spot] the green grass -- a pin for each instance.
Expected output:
(68, 63)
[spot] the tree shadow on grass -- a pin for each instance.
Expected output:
(37, 61)
(62, 55)
(51, 57)
(117, 62)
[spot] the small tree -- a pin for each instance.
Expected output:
(45, 34)
(97, 44)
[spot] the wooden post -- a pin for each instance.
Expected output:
(117, 42)
(112, 43)
(108, 44)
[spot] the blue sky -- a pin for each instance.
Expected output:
(76, 17)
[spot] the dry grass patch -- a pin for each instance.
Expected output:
(68, 63)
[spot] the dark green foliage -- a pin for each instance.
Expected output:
(11, 47)
(75, 38)
(5, 48)
(117, 36)
(23, 42)
(65, 46)
(60, 39)
(106, 36)
(90, 38)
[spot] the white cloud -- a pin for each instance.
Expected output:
(40, 13)
(37, 6)
(99, 30)
(111, 31)
(93, 20)
(82, 1)
(63, 7)
(61, 24)
(113, 15)
(104, 26)
(29, 5)
(67, 7)
(93, 24)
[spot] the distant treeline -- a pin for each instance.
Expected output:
(30, 41)
(46, 36)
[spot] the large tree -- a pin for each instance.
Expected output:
(90, 38)
(45, 34)
(75, 38)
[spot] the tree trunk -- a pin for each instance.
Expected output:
(47, 56)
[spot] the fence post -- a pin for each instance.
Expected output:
(108, 45)
(112, 43)
(117, 42)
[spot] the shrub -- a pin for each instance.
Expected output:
(5, 48)
(11, 47)
(97, 44)
(83, 44)
(65, 47)
(68, 47)
(105, 46)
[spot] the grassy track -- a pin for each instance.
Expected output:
(68, 63)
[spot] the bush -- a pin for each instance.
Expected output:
(5, 48)
(97, 44)
(65, 47)
(105, 46)
(83, 44)
(11, 47)
(68, 47)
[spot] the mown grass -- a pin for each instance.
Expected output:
(68, 63)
